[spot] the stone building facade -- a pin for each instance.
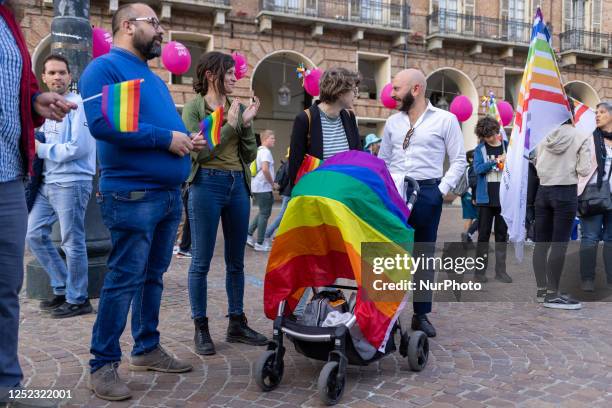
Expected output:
(465, 47)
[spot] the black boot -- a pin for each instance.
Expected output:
(203, 343)
(422, 323)
(239, 332)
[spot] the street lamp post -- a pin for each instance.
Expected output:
(71, 37)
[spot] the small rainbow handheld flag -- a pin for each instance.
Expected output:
(121, 105)
(309, 164)
(211, 127)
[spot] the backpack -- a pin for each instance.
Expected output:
(321, 305)
(253, 166)
(462, 185)
(472, 177)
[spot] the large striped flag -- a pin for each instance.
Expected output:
(121, 105)
(347, 201)
(542, 106)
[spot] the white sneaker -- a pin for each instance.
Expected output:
(267, 242)
(262, 247)
(250, 241)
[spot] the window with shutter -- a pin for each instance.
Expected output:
(568, 15)
(515, 16)
(448, 15)
(396, 11)
(596, 26)
(468, 11)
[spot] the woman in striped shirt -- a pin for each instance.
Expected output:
(328, 126)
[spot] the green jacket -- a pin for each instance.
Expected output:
(194, 113)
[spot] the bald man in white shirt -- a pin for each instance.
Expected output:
(415, 142)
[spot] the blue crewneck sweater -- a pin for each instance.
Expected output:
(134, 160)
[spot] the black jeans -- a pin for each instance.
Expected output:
(13, 226)
(486, 217)
(555, 210)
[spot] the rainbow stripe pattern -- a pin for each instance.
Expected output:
(308, 164)
(541, 107)
(211, 127)
(121, 105)
(349, 200)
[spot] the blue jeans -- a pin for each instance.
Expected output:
(13, 224)
(424, 218)
(270, 231)
(66, 203)
(594, 229)
(143, 227)
(213, 195)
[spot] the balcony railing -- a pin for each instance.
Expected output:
(381, 13)
(444, 22)
(201, 2)
(586, 41)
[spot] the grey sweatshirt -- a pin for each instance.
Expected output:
(562, 157)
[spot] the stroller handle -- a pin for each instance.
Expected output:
(411, 185)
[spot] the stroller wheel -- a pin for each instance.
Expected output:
(267, 376)
(418, 350)
(330, 389)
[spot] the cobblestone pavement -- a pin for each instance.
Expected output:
(486, 354)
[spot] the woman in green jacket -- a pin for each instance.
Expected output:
(219, 190)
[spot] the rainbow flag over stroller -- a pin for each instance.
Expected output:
(349, 200)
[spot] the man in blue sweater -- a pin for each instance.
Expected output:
(140, 200)
(69, 155)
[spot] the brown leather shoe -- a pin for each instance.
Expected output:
(159, 360)
(107, 385)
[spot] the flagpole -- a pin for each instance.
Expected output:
(100, 94)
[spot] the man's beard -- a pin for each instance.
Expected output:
(150, 49)
(407, 102)
(60, 90)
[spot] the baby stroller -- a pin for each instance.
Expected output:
(332, 344)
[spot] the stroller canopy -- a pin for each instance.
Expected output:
(349, 200)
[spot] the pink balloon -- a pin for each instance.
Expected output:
(505, 111)
(385, 97)
(176, 58)
(461, 107)
(311, 81)
(241, 65)
(101, 40)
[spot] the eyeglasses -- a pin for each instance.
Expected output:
(408, 137)
(151, 20)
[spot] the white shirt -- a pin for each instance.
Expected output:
(436, 133)
(259, 183)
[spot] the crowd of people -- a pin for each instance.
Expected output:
(149, 177)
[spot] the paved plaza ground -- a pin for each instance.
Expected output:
(495, 354)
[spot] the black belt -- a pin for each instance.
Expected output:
(432, 181)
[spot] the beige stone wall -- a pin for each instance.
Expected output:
(335, 48)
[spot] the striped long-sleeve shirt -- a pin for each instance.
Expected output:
(334, 137)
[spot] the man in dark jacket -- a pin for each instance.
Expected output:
(22, 108)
